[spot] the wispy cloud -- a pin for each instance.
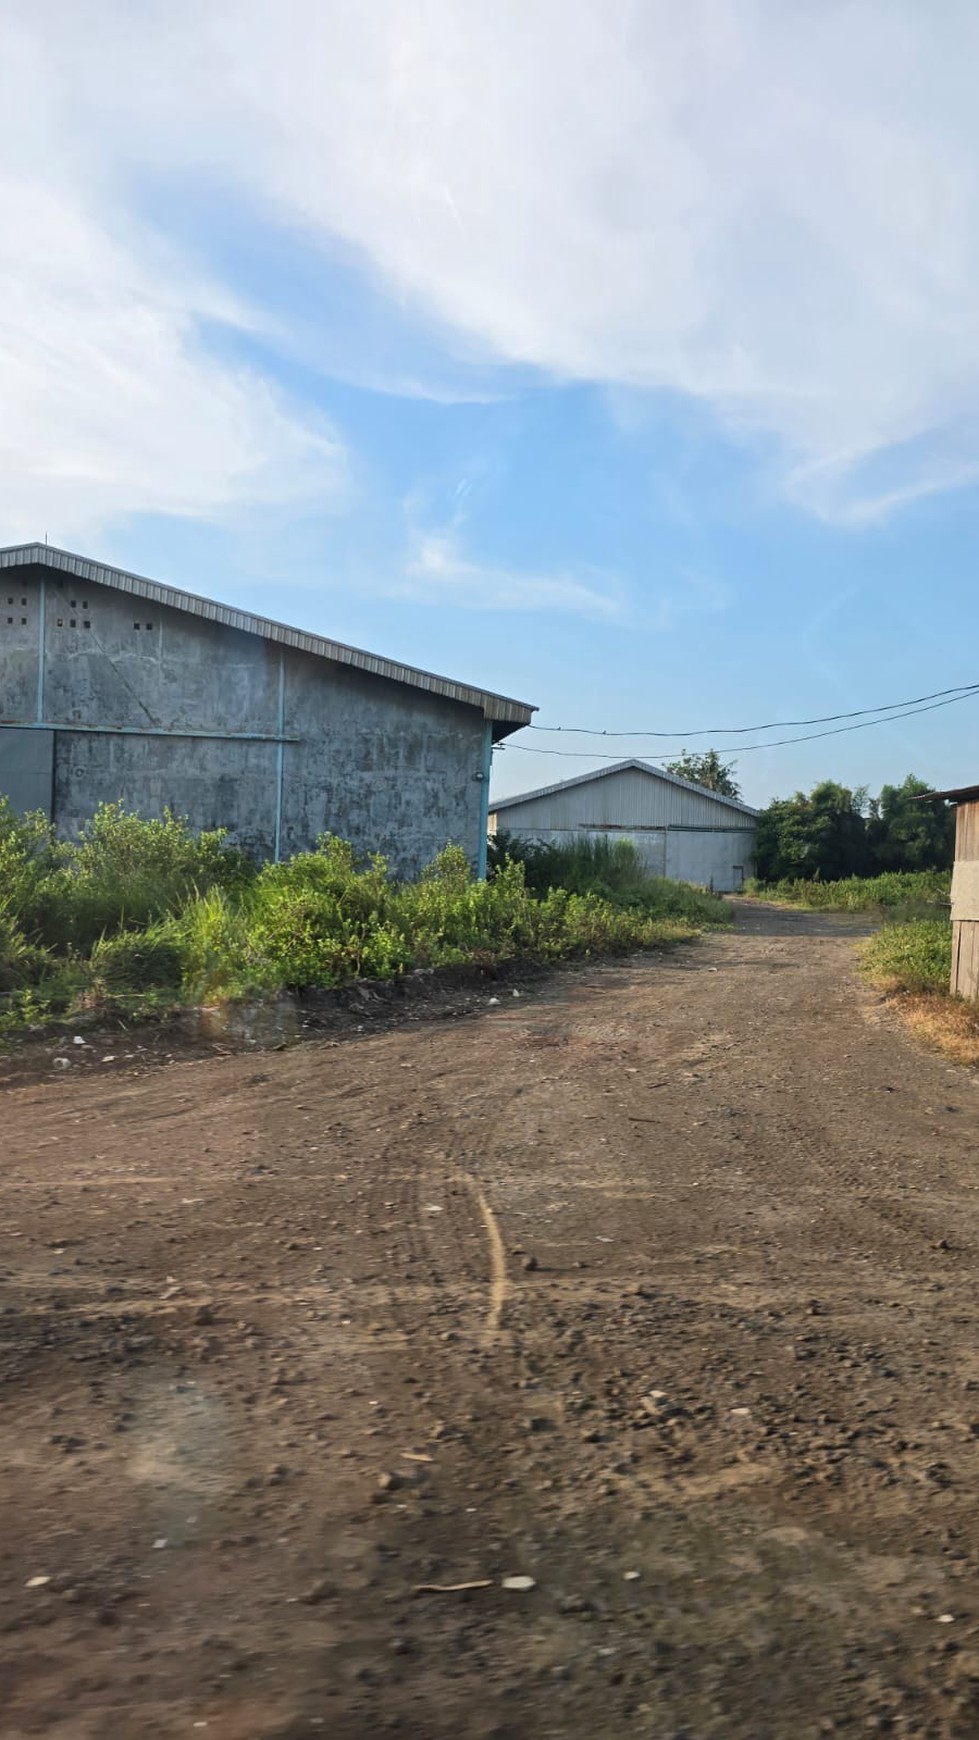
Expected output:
(112, 403)
(771, 209)
(439, 572)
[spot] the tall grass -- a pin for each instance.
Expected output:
(612, 869)
(896, 892)
(913, 961)
(138, 915)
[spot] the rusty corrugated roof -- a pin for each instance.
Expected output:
(964, 794)
(501, 709)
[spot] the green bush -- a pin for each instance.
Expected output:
(125, 872)
(136, 915)
(612, 869)
(28, 860)
(21, 961)
(122, 873)
(318, 921)
(916, 956)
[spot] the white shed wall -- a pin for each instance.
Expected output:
(688, 835)
(719, 858)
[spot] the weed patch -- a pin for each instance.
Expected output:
(138, 916)
(895, 894)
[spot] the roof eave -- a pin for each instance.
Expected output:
(500, 710)
(619, 767)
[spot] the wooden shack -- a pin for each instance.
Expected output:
(965, 890)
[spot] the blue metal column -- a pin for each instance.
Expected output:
(40, 650)
(280, 754)
(484, 791)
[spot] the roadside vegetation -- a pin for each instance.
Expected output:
(839, 850)
(915, 956)
(896, 893)
(611, 869)
(912, 964)
(138, 917)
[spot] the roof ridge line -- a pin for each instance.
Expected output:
(499, 709)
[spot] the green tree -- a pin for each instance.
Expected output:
(905, 834)
(820, 835)
(706, 768)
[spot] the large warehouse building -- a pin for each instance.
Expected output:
(679, 829)
(115, 687)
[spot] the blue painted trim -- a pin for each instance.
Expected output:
(280, 755)
(484, 791)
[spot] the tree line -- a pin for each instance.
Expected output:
(833, 831)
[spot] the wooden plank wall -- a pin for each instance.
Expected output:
(965, 931)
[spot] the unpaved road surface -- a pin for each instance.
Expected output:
(657, 1285)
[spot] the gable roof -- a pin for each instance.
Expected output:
(620, 767)
(500, 709)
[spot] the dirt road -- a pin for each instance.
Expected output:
(656, 1285)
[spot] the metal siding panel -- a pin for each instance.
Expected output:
(630, 798)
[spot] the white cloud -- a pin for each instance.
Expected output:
(771, 208)
(110, 403)
(439, 572)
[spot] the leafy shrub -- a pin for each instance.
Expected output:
(124, 872)
(21, 961)
(136, 914)
(28, 858)
(612, 869)
(916, 956)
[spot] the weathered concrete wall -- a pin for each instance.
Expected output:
(216, 784)
(378, 764)
(390, 768)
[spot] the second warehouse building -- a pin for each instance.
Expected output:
(679, 829)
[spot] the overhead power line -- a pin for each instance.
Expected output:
(772, 743)
(959, 692)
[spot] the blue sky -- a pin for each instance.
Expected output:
(621, 359)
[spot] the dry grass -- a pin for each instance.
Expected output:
(944, 1023)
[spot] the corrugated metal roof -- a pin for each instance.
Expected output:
(620, 767)
(501, 709)
(965, 794)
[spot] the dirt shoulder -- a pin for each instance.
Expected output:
(655, 1284)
